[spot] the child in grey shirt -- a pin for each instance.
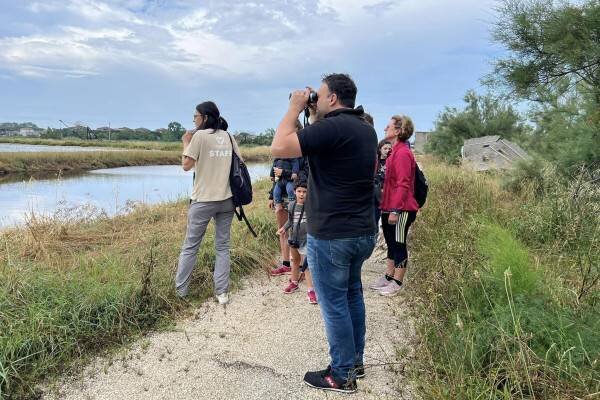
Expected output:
(296, 228)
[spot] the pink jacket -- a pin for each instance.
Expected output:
(399, 183)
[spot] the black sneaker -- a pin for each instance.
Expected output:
(325, 381)
(359, 370)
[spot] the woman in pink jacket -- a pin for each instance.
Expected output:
(398, 205)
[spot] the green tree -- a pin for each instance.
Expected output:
(174, 132)
(554, 60)
(549, 42)
(483, 115)
(566, 133)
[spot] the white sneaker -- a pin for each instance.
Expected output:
(223, 298)
(391, 289)
(379, 284)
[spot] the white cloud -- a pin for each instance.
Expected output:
(260, 40)
(99, 11)
(38, 7)
(238, 38)
(77, 34)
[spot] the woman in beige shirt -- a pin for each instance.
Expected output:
(208, 150)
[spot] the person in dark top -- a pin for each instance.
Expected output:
(383, 149)
(341, 148)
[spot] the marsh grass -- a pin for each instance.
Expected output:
(26, 162)
(72, 288)
(497, 287)
(123, 144)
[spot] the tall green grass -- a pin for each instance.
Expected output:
(500, 317)
(69, 289)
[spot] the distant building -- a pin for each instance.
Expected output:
(491, 152)
(28, 132)
(421, 139)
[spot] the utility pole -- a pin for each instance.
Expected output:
(61, 131)
(109, 131)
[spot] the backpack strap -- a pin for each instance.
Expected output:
(242, 215)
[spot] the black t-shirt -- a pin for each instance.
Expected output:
(341, 150)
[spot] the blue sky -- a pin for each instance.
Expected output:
(144, 63)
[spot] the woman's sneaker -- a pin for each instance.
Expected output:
(325, 381)
(291, 288)
(281, 270)
(391, 289)
(312, 297)
(223, 298)
(380, 283)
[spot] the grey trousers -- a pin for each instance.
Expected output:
(199, 215)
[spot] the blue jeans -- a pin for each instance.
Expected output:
(335, 266)
(278, 191)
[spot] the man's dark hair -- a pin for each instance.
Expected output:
(343, 86)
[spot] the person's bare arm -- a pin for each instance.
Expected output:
(187, 163)
(285, 143)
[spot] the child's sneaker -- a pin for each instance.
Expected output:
(291, 288)
(312, 297)
(281, 270)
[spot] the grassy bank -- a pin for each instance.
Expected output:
(79, 161)
(507, 289)
(251, 153)
(38, 162)
(122, 144)
(71, 288)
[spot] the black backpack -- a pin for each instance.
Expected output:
(241, 186)
(421, 186)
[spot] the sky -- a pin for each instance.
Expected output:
(145, 63)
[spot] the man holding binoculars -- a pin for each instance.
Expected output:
(341, 149)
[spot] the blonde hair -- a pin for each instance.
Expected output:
(405, 125)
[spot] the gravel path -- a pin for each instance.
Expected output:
(257, 347)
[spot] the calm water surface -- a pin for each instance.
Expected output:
(112, 191)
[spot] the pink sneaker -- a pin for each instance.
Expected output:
(312, 297)
(391, 289)
(281, 270)
(291, 288)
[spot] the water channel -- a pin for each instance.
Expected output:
(112, 191)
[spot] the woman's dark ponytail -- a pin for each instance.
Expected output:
(210, 111)
(223, 125)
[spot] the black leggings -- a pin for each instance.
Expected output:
(396, 235)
